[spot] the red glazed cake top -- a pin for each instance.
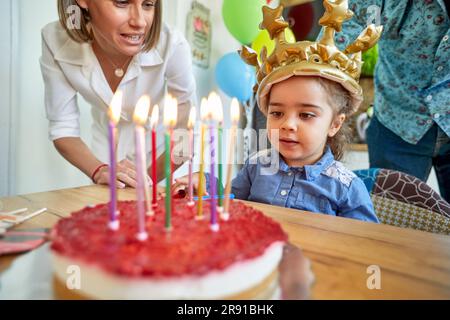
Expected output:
(191, 248)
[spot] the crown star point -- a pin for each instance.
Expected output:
(336, 13)
(272, 21)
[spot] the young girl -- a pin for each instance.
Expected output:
(96, 48)
(305, 119)
(307, 96)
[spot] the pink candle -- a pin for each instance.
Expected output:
(154, 123)
(140, 116)
(114, 116)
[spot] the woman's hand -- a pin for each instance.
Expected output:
(126, 175)
(182, 184)
(296, 276)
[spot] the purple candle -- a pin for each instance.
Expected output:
(114, 116)
(212, 181)
(191, 125)
(213, 103)
(113, 222)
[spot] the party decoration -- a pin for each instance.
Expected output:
(301, 20)
(198, 33)
(234, 77)
(370, 58)
(263, 40)
(242, 18)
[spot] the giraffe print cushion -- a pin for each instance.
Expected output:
(405, 188)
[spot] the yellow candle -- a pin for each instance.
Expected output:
(201, 184)
(234, 120)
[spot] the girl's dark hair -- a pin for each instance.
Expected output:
(339, 99)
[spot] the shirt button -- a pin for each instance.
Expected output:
(445, 38)
(283, 192)
(429, 121)
(440, 68)
(429, 97)
(436, 115)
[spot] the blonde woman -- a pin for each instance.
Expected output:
(96, 48)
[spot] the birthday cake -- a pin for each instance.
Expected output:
(239, 261)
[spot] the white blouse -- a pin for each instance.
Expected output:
(69, 68)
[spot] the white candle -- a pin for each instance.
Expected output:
(140, 117)
(234, 120)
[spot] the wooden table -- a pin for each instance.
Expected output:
(413, 264)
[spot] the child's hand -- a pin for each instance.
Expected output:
(182, 184)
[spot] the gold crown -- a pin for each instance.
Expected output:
(306, 58)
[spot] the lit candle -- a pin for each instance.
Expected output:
(191, 125)
(201, 184)
(170, 120)
(153, 124)
(218, 114)
(214, 104)
(140, 116)
(234, 112)
(114, 116)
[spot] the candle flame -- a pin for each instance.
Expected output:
(204, 109)
(140, 115)
(212, 101)
(170, 111)
(115, 107)
(234, 112)
(155, 116)
(217, 109)
(192, 118)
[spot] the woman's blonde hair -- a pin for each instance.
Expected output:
(80, 32)
(340, 100)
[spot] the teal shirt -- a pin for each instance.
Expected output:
(412, 76)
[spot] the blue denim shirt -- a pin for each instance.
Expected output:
(412, 76)
(325, 187)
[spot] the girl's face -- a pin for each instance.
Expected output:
(300, 119)
(120, 27)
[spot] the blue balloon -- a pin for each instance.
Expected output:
(235, 77)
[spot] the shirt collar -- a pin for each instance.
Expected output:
(314, 170)
(81, 54)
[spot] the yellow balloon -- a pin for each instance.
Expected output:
(263, 39)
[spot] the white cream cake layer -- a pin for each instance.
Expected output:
(241, 276)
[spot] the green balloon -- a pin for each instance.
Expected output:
(242, 18)
(370, 58)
